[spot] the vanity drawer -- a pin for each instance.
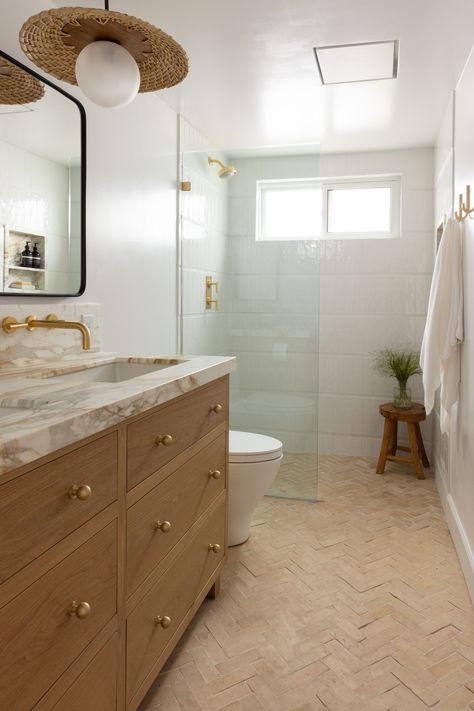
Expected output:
(39, 637)
(175, 503)
(154, 440)
(171, 597)
(37, 511)
(96, 687)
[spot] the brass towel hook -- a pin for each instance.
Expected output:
(464, 207)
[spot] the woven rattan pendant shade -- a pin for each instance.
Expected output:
(53, 39)
(16, 86)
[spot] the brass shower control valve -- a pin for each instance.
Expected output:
(209, 294)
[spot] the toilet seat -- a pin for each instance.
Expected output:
(248, 447)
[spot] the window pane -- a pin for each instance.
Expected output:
(359, 210)
(291, 213)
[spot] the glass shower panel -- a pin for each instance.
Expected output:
(274, 319)
(268, 303)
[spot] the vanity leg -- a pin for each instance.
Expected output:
(215, 590)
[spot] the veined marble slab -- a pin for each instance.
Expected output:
(57, 413)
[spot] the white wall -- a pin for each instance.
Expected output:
(374, 293)
(455, 474)
(131, 213)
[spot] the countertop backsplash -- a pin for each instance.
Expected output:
(31, 347)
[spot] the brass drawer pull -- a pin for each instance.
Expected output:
(215, 473)
(217, 408)
(162, 526)
(82, 492)
(81, 610)
(162, 621)
(164, 439)
(214, 547)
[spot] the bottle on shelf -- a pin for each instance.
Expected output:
(36, 257)
(26, 256)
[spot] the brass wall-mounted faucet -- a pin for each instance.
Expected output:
(10, 325)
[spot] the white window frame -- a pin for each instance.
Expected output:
(326, 184)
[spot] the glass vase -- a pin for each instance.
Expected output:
(402, 397)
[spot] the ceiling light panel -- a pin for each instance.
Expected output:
(370, 61)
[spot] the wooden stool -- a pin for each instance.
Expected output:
(388, 450)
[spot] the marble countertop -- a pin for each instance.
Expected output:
(50, 414)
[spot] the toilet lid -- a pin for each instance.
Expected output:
(251, 447)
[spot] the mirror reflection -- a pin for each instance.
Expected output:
(41, 231)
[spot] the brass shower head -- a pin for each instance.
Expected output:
(226, 171)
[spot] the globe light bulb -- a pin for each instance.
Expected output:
(107, 74)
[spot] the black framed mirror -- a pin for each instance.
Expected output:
(42, 186)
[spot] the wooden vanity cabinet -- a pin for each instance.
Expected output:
(107, 549)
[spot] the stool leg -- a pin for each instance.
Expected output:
(421, 446)
(394, 438)
(387, 438)
(414, 450)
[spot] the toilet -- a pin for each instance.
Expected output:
(254, 461)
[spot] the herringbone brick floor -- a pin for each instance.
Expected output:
(354, 603)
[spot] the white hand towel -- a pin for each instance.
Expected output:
(440, 352)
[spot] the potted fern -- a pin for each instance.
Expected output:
(399, 363)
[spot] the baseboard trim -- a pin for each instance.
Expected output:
(458, 534)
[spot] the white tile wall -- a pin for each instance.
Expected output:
(204, 252)
(374, 293)
(35, 198)
(304, 318)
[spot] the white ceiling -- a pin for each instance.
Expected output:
(253, 79)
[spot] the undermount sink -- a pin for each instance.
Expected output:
(112, 372)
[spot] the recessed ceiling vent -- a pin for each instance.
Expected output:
(368, 61)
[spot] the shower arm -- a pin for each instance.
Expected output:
(211, 161)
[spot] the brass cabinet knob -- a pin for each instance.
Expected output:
(162, 526)
(82, 492)
(166, 439)
(217, 408)
(162, 621)
(81, 610)
(215, 473)
(214, 547)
